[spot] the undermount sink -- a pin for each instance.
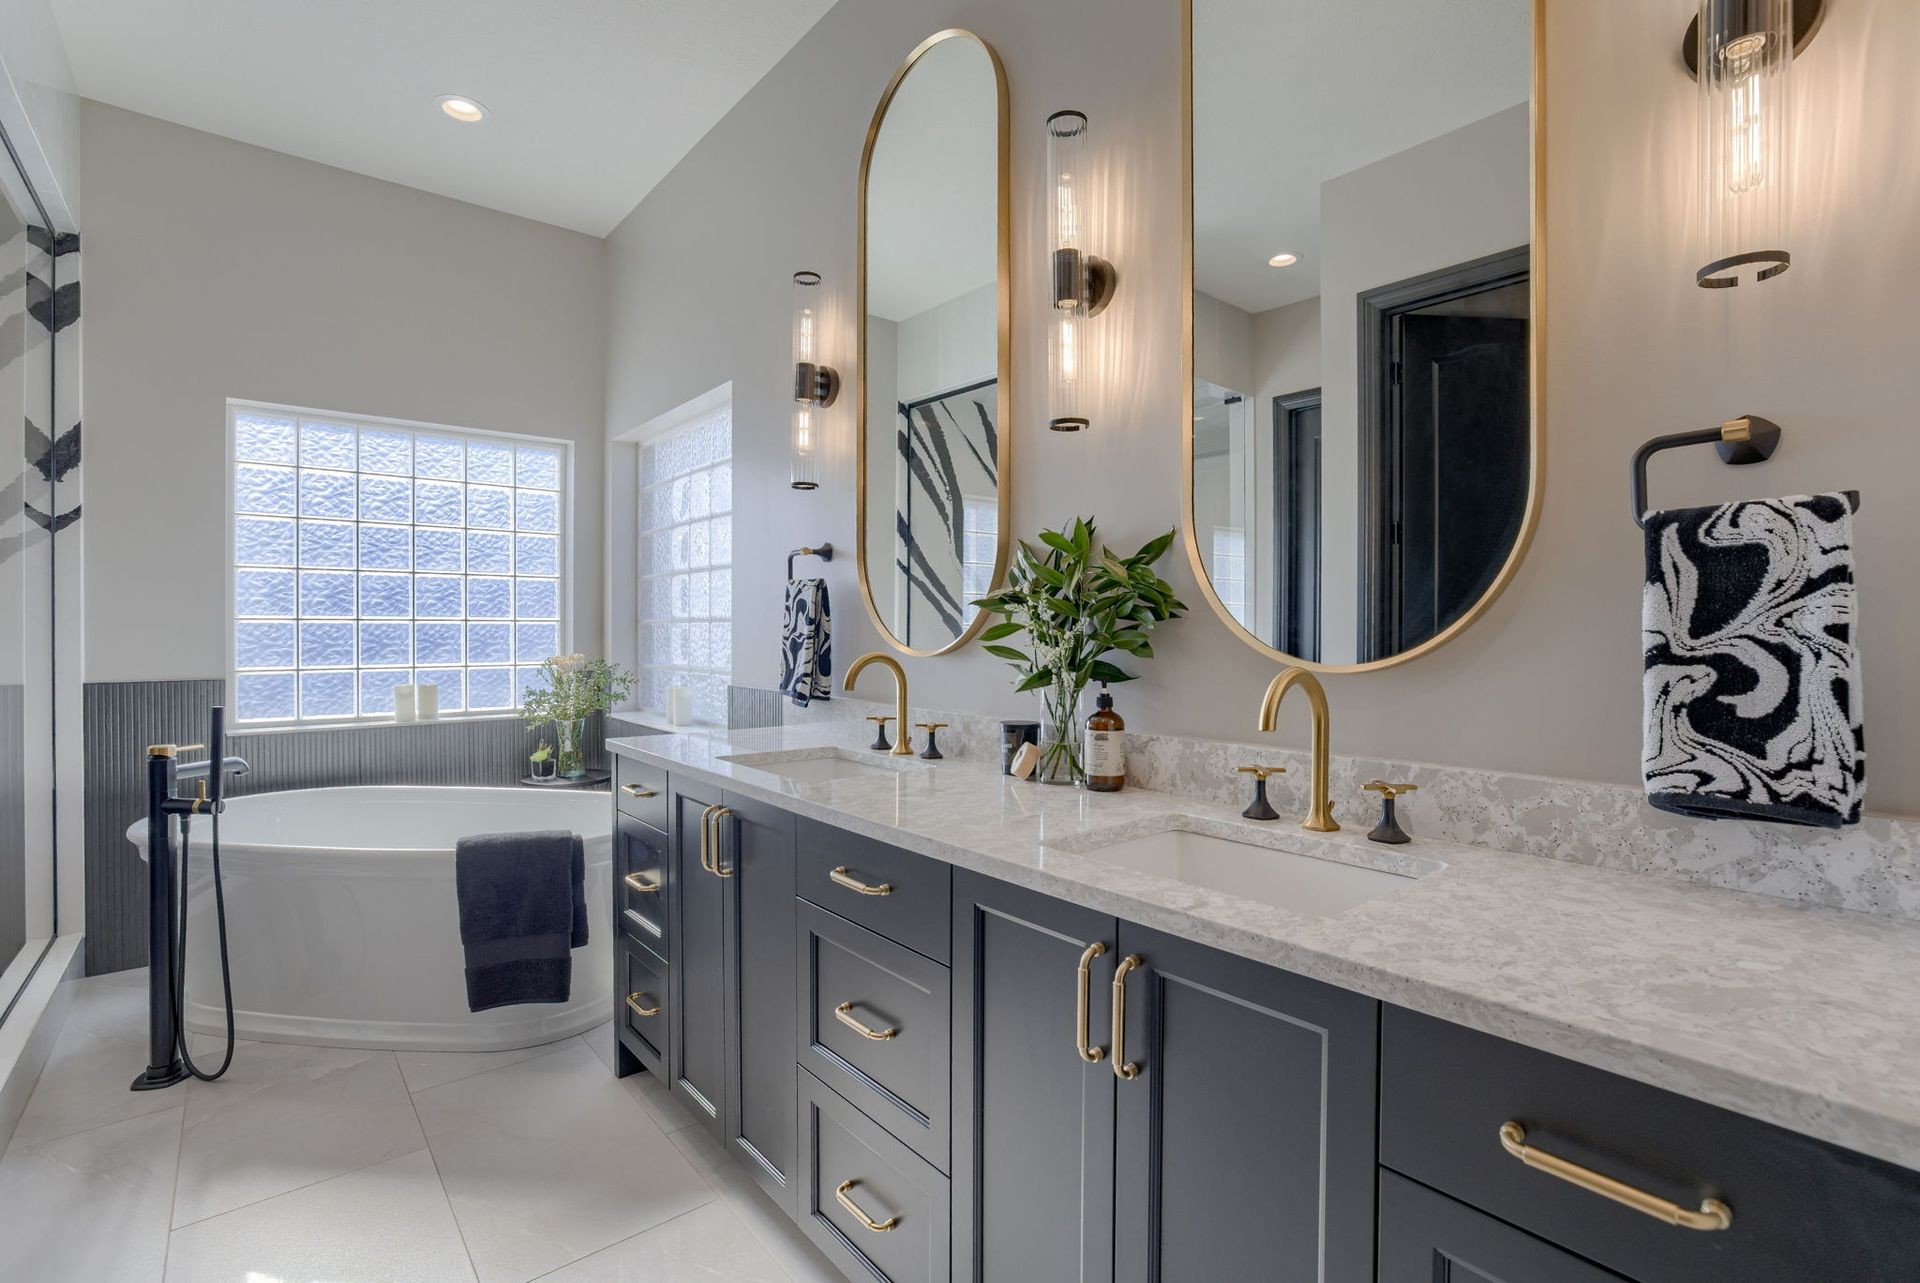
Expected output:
(1184, 851)
(824, 765)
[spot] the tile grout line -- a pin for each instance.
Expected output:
(173, 1194)
(473, 1266)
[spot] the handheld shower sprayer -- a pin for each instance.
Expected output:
(168, 1060)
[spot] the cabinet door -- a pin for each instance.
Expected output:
(1245, 1141)
(1428, 1238)
(755, 859)
(1032, 1121)
(698, 1045)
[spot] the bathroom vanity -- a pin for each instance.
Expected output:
(964, 1027)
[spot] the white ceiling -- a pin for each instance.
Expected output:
(591, 102)
(1290, 93)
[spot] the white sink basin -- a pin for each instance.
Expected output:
(824, 765)
(1320, 887)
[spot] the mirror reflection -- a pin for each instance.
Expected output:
(933, 450)
(1362, 207)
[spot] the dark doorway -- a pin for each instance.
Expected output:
(1296, 488)
(1444, 445)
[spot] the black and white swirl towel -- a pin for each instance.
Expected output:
(806, 643)
(1752, 673)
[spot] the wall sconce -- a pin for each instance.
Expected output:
(1742, 52)
(815, 386)
(1082, 282)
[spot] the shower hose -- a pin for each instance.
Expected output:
(180, 957)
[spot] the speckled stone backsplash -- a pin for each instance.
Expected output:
(1873, 867)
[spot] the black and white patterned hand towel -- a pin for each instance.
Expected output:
(1752, 673)
(806, 643)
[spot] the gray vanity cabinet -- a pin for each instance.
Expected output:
(699, 1008)
(755, 860)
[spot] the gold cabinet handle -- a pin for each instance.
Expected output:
(853, 1209)
(1092, 1055)
(1122, 1067)
(642, 883)
(635, 790)
(706, 838)
(640, 1008)
(719, 813)
(844, 1014)
(843, 877)
(1713, 1214)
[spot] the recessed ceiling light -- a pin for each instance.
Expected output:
(462, 108)
(1283, 260)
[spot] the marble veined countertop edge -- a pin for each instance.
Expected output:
(1805, 1017)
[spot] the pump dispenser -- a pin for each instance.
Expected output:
(1106, 755)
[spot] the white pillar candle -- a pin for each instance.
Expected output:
(679, 705)
(403, 706)
(426, 702)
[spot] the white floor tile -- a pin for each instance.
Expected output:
(99, 1052)
(649, 1089)
(781, 1237)
(549, 1160)
(388, 1223)
(707, 1245)
(601, 1039)
(91, 1206)
(424, 1069)
(288, 1116)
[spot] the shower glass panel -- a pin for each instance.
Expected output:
(32, 460)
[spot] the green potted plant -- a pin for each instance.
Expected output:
(540, 762)
(1076, 602)
(573, 689)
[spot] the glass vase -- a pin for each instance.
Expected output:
(570, 746)
(1060, 735)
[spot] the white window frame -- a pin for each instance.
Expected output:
(690, 414)
(235, 407)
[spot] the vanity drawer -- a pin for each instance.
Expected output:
(874, 1025)
(1801, 1209)
(640, 790)
(872, 1205)
(640, 1006)
(905, 897)
(641, 886)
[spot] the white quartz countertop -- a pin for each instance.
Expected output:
(1805, 1017)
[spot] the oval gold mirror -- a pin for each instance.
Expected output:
(1363, 440)
(935, 457)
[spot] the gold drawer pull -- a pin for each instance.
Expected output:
(1713, 1214)
(844, 1014)
(706, 837)
(642, 883)
(636, 790)
(843, 877)
(1122, 1067)
(633, 1001)
(719, 813)
(853, 1209)
(1081, 1036)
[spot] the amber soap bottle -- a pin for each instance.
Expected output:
(1106, 750)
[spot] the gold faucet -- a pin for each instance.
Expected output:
(904, 746)
(1319, 809)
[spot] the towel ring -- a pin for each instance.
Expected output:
(824, 552)
(1747, 439)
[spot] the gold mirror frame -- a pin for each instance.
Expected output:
(1536, 370)
(1004, 355)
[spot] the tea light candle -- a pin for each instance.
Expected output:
(426, 702)
(403, 704)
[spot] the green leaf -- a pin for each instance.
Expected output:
(997, 631)
(1056, 541)
(1007, 653)
(1154, 549)
(1033, 683)
(1102, 671)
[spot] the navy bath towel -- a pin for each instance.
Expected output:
(523, 909)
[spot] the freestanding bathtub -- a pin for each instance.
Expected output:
(342, 924)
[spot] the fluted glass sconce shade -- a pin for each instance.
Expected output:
(1742, 54)
(1082, 282)
(814, 385)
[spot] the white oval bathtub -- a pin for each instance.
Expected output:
(342, 924)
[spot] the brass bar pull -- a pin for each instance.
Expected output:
(642, 883)
(1122, 1067)
(843, 877)
(706, 839)
(1713, 1214)
(1092, 1055)
(640, 1008)
(844, 1014)
(853, 1209)
(635, 790)
(719, 813)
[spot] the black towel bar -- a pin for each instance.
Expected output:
(824, 552)
(1747, 439)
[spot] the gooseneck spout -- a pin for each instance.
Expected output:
(1319, 808)
(903, 746)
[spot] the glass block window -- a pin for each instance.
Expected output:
(980, 538)
(371, 554)
(1229, 572)
(686, 559)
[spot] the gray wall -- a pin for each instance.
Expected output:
(1549, 680)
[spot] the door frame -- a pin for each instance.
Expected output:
(1286, 592)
